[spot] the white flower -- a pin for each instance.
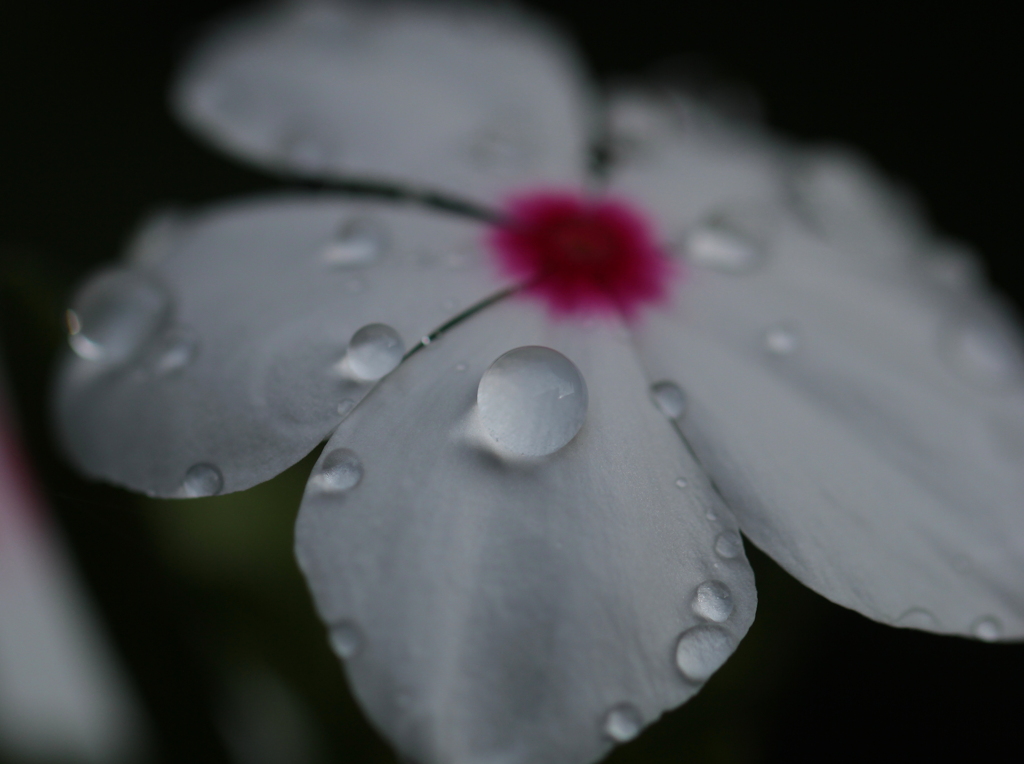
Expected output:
(514, 532)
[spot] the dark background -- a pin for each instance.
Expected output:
(87, 146)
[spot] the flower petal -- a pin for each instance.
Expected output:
(500, 608)
(458, 99)
(868, 433)
(225, 360)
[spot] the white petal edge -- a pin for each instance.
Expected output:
(519, 610)
(242, 370)
(468, 101)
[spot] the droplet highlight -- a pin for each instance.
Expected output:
(669, 398)
(718, 246)
(728, 545)
(340, 470)
(532, 401)
(202, 480)
(781, 340)
(358, 242)
(175, 350)
(987, 629)
(115, 314)
(346, 639)
(373, 351)
(702, 650)
(918, 618)
(623, 722)
(713, 601)
(680, 483)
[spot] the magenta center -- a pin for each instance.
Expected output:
(580, 255)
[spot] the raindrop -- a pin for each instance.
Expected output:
(983, 352)
(729, 545)
(346, 639)
(374, 350)
(713, 601)
(115, 314)
(358, 242)
(460, 367)
(781, 340)
(346, 406)
(340, 470)
(202, 480)
(532, 400)
(702, 650)
(717, 246)
(987, 629)
(623, 722)
(680, 483)
(669, 398)
(918, 618)
(175, 350)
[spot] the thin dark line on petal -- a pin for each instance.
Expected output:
(459, 318)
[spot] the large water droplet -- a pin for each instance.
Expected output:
(340, 470)
(532, 401)
(374, 350)
(202, 480)
(623, 722)
(115, 314)
(985, 352)
(358, 242)
(918, 618)
(781, 340)
(346, 639)
(669, 398)
(729, 545)
(720, 247)
(713, 601)
(987, 629)
(702, 650)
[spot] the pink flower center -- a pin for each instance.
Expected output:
(580, 255)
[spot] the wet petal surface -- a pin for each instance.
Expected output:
(460, 100)
(492, 606)
(253, 335)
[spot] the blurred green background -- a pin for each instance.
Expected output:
(202, 599)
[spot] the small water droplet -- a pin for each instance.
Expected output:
(918, 618)
(307, 152)
(669, 398)
(532, 401)
(358, 242)
(985, 352)
(460, 367)
(680, 483)
(729, 545)
(340, 470)
(115, 314)
(456, 260)
(623, 722)
(346, 406)
(175, 350)
(202, 480)
(987, 629)
(781, 340)
(374, 350)
(713, 601)
(719, 247)
(346, 639)
(498, 147)
(449, 305)
(425, 340)
(710, 515)
(702, 650)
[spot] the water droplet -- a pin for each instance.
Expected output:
(713, 601)
(358, 242)
(781, 340)
(985, 352)
(720, 247)
(460, 367)
(456, 260)
(710, 515)
(449, 305)
(669, 398)
(346, 406)
(202, 480)
(987, 629)
(918, 618)
(374, 350)
(173, 352)
(729, 545)
(623, 722)
(702, 650)
(425, 340)
(498, 147)
(340, 470)
(115, 314)
(680, 483)
(307, 152)
(346, 639)
(532, 400)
